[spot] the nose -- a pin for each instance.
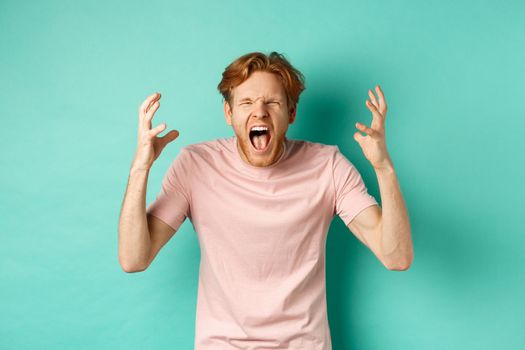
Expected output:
(260, 109)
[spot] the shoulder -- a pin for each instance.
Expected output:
(329, 156)
(207, 149)
(313, 149)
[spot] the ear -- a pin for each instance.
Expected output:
(292, 115)
(227, 113)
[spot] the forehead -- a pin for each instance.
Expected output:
(260, 84)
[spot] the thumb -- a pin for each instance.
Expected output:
(170, 136)
(358, 137)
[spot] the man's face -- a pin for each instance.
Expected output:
(259, 101)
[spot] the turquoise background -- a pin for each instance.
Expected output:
(74, 73)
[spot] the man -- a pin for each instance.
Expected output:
(261, 205)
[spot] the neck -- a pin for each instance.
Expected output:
(264, 162)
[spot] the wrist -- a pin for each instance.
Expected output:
(387, 167)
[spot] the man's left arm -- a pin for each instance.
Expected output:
(386, 231)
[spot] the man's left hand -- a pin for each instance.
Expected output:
(373, 143)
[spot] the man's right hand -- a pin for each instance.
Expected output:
(149, 145)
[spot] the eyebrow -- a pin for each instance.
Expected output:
(249, 99)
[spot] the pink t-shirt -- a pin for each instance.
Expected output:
(262, 233)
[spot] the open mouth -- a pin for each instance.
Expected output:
(260, 138)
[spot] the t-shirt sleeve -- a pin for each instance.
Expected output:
(351, 194)
(172, 204)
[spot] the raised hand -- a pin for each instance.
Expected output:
(149, 146)
(373, 143)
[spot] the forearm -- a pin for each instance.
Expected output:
(396, 240)
(134, 238)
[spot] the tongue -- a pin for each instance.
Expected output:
(260, 142)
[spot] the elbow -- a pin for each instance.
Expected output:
(401, 259)
(400, 264)
(131, 268)
(134, 261)
(398, 267)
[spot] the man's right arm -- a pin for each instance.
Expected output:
(134, 243)
(140, 237)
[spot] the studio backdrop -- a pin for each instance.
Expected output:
(74, 73)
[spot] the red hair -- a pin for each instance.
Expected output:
(241, 69)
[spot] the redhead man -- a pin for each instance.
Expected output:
(261, 205)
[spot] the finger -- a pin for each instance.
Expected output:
(365, 129)
(373, 98)
(382, 100)
(155, 99)
(377, 117)
(157, 130)
(145, 105)
(150, 113)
